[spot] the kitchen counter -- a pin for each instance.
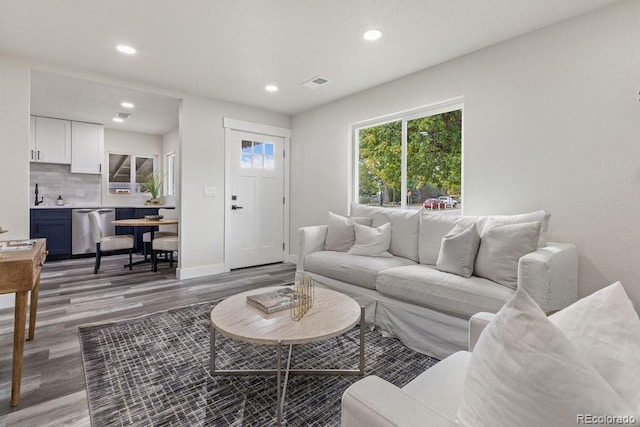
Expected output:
(94, 206)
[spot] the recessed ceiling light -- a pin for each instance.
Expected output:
(118, 119)
(127, 104)
(373, 34)
(271, 88)
(125, 49)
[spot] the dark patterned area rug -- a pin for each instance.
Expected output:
(154, 371)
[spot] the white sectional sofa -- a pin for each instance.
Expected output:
(406, 296)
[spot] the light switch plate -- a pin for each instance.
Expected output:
(209, 191)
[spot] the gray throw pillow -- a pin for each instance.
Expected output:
(340, 234)
(458, 251)
(501, 247)
(372, 241)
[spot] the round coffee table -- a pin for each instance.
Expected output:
(332, 315)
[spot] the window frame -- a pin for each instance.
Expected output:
(170, 168)
(404, 116)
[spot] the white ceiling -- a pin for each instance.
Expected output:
(56, 95)
(229, 49)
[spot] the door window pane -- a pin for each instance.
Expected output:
(268, 156)
(379, 162)
(246, 154)
(257, 155)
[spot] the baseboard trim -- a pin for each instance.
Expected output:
(205, 270)
(291, 258)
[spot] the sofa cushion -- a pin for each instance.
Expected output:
(458, 251)
(524, 372)
(605, 329)
(340, 233)
(371, 241)
(426, 286)
(405, 225)
(433, 227)
(541, 216)
(501, 247)
(357, 270)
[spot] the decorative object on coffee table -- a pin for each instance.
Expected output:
(303, 292)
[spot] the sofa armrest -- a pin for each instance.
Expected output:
(550, 275)
(310, 239)
(374, 402)
(477, 323)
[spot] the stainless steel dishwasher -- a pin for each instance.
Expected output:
(81, 240)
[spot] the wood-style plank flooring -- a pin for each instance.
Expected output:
(53, 387)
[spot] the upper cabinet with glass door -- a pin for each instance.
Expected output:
(125, 179)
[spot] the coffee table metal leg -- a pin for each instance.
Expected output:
(362, 326)
(212, 351)
(278, 379)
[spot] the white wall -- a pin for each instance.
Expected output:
(125, 142)
(202, 164)
(14, 153)
(171, 144)
(551, 120)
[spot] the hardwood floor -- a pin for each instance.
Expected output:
(53, 387)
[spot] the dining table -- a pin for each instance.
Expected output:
(144, 222)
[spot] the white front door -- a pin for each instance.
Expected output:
(256, 206)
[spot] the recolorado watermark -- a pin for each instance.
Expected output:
(605, 419)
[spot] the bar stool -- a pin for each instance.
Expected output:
(167, 244)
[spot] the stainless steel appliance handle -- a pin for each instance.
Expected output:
(84, 210)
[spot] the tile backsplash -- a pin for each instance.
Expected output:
(57, 180)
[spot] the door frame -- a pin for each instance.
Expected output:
(231, 125)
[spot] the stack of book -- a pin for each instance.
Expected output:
(273, 301)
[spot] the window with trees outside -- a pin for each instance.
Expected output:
(410, 161)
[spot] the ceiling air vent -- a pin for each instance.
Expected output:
(315, 82)
(123, 116)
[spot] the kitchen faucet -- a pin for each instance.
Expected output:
(41, 198)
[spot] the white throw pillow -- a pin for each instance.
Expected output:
(405, 224)
(458, 251)
(605, 329)
(501, 247)
(433, 227)
(340, 233)
(541, 216)
(372, 241)
(524, 372)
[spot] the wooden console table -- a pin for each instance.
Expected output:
(20, 273)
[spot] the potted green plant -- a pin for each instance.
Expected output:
(152, 184)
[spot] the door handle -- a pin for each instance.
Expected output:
(235, 207)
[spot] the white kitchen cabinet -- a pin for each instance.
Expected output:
(87, 147)
(52, 142)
